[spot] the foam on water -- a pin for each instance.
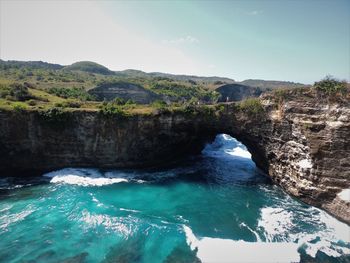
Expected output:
(225, 145)
(226, 250)
(84, 177)
(277, 224)
(114, 224)
(7, 220)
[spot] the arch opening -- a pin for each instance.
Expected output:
(232, 159)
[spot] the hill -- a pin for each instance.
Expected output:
(271, 84)
(89, 80)
(88, 66)
(28, 64)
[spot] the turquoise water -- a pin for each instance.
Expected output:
(216, 207)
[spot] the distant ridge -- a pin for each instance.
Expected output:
(90, 67)
(271, 84)
(30, 64)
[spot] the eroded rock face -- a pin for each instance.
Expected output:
(305, 148)
(124, 90)
(303, 145)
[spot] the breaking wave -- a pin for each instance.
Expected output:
(86, 177)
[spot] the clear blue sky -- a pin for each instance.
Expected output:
(282, 40)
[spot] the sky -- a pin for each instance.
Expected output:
(294, 40)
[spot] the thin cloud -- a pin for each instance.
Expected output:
(254, 12)
(181, 40)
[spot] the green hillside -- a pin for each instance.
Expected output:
(88, 66)
(88, 83)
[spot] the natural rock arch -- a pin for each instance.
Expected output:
(303, 147)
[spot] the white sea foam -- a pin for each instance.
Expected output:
(335, 228)
(86, 181)
(226, 145)
(251, 230)
(7, 220)
(83, 177)
(277, 224)
(226, 250)
(345, 195)
(110, 223)
(129, 210)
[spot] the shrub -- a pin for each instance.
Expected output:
(119, 101)
(111, 109)
(280, 94)
(32, 102)
(159, 104)
(68, 104)
(55, 115)
(18, 107)
(220, 108)
(19, 92)
(15, 91)
(4, 91)
(251, 106)
(59, 105)
(75, 93)
(71, 104)
(190, 110)
(207, 110)
(331, 86)
(130, 102)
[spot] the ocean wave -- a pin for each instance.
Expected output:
(226, 146)
(277, 224)
(226, 250)
(8, 219)
(110, 223)
(84, 177)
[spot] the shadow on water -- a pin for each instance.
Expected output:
(128, 251)
(21, 187)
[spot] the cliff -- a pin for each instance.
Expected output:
(302, 143)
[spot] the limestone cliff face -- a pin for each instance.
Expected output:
(28, 142)
(305, 148)
(303, 145)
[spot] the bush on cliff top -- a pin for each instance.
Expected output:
(19, 106)
(73, 93)
(112, 109)
(331, 86)
(55, 115)
(251, 106)
(15, 91)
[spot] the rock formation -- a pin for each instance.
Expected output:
(124, 90)
(237, 92)
(303, 144)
